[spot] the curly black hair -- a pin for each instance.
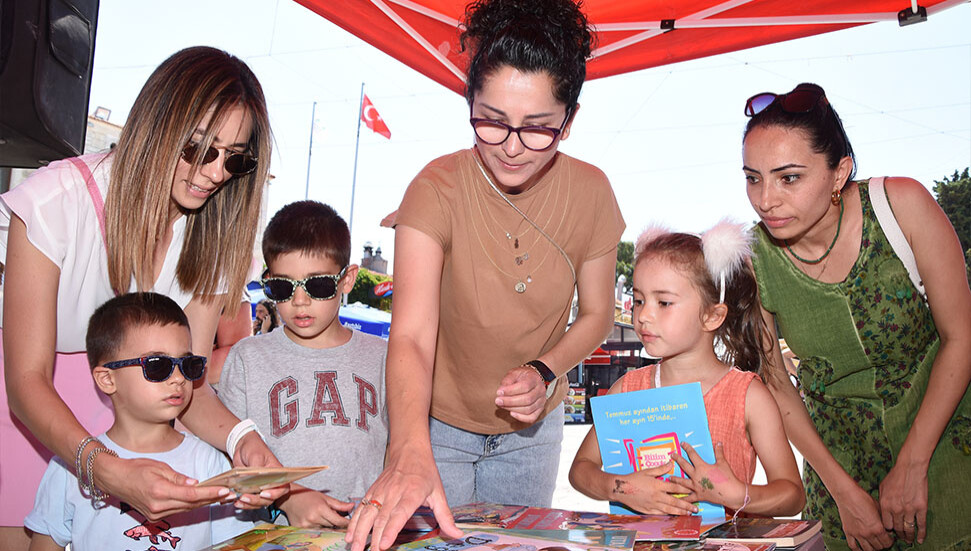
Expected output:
(552, 36)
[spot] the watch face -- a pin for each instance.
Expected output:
(545, 372)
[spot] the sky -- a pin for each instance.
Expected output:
(668, 138)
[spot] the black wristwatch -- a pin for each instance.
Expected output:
(549, 378)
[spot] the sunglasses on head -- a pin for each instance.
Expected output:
(237, 164)
(158, 368)
(801, 100)
(318, 287)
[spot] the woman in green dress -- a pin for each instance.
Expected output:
(882, 412)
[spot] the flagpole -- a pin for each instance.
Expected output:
(313, 115)
(357, 144)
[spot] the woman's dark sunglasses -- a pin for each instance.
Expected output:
(237, 164)
(801, 100)
(318, 287)
(159, 368)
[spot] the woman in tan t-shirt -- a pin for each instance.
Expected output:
(491, 244)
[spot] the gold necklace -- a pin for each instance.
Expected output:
(514, 238)
(520, 286)
(518, 257)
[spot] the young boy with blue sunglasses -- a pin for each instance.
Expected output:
(139, 349)
(315, 389)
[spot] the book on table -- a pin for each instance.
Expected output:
(639, 430)
(647, 527)
(782, 532)
(291, 538)
(702, 546)
(498, 539)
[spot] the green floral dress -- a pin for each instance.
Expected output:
(866, 346)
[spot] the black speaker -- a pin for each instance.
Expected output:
(46, 57)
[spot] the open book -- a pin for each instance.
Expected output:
(253, 480)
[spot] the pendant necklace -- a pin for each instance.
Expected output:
(520, 286)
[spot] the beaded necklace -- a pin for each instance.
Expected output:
(839, 225)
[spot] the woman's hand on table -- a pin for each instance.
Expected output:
(253, 452)
(153, 488)
(860, 518)
(522, 392)
(903, 501)
(644, 492)
(308, 508)
(409, 480)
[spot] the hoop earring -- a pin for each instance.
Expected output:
(836, 198)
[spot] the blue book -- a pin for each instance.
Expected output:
(637, 430)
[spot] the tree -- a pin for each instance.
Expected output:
(363, 290)
(625, 263)
(954, 195)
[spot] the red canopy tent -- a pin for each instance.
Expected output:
(631, 34)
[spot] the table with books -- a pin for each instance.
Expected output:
(493, 527)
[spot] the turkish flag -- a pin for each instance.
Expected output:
(373, 120)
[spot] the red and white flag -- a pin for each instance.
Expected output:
(373, 120)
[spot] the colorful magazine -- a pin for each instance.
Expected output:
(269, 537)
(501, 540)
(638, 430)
(648, 527)
(782, 532)
(702, 546)
(613, 539)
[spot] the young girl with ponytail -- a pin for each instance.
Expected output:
(693, 297)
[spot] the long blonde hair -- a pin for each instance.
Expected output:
(218, 247)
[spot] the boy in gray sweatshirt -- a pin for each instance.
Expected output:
(315, 389)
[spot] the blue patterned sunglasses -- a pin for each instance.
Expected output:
(159, 368)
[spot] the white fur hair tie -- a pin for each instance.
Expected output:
(726, 246)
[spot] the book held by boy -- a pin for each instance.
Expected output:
(639, 430)
(253, 480)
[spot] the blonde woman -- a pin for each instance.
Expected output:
(181, 198)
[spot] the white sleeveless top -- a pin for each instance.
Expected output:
(62, 224)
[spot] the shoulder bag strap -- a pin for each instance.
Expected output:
(95, 193)
(887, 220)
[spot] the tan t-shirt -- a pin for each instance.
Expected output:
(485, 326)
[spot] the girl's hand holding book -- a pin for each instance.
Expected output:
(643, 491)
(712, 483)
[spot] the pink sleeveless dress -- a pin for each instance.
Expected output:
(725, 405)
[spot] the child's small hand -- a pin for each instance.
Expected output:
(644, 492)
(713, 483)
(308, 508)
(252, 451)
